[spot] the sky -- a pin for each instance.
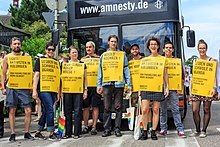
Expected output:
(203, 16)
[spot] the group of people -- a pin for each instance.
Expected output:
(79, 103)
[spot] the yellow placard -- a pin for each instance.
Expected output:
(112, 66)
(72, 77)
(92, 66)
(20, 72)
(174, 66)
(49, 75)
(151, 74)
(203, 77)
(134, 72)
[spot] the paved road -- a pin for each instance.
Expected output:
(171, 140)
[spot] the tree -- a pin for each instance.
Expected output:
(189, 62)
(29, 12)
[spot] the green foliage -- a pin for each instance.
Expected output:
(33, 46)
(189, 62)
(29, 12)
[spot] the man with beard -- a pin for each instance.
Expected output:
(16, 96)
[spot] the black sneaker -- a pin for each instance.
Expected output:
(94, 131)
(85, 130)
(28, 136)
(144, 135)
(118, 133)
(106, 133)
(54, 137)
(38, 135)
(153, 135)
(12, 138)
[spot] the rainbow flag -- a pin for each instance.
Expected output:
(129, 117)
(61, 126)
(141, 126)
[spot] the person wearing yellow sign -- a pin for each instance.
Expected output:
(113, 88)
(73, 101)
(153, 45)
(93, 99)
(172, 99)
(197, 99)
(48, 99)
(16, 96)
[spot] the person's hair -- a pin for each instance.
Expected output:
(13, 39)
(153, 39)
(91, 42)
(202, 41)
(168, 42)
(72, 47)
(50, 44)
(112, 36)
(134, 45)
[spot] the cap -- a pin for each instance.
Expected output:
(65, 55)
(134, 45)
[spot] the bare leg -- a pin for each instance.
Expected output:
(156, 108)
(86, 116)
(12, 119)
(27, 120)
(38, 110)
(145, 112)
(95, 115)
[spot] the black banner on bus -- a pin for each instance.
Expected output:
(88, 9)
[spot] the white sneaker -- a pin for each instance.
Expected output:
(202, 134)
(194, 134)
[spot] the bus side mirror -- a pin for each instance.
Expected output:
(190, 38)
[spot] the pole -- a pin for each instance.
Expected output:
(56, 25)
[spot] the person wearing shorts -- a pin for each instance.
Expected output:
(16, 96)
(93, 98)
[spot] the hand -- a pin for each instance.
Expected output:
(35, 94)
(178, 92)
(100, 90)
(213, 93)
(3, 91)
(166, 93)
(85, 94)
(58, 98)
(129, 90)
(38, 101)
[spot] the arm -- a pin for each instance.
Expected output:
(127, 74)
(99, 78)
(4, 71)
(166, 93)
(35, 83)
(85, 85)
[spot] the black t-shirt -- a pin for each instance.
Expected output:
(37, 69)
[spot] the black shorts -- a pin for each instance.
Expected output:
(93, 98)
(152, 96)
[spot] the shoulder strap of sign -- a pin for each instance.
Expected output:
(210, 58)
(23, 53)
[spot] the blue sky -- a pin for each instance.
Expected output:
(203, 16)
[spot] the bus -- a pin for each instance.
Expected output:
(133, 21)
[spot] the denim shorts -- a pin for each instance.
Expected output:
(18, 96)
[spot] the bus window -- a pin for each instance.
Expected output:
(140, 33)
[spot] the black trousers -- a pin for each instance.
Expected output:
(1, 118)
(73, 102)
(112, 94)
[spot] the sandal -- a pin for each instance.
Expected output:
(85, 130)
(36, 120)
(66, 136)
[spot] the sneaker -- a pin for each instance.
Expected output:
(118, 133)
(144, 135)
(194, 134)
(153, 135)
(12, 138)
(54, 137)
(106, 133)
(202, 134)
(85, 130)
(163, 132)
(94, 131)
(181, 134)
(38, 135)
(28, 136)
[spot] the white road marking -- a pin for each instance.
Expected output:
(173, 140)
(218, 129)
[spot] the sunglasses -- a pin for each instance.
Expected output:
(51, 49)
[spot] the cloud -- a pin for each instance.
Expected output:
(3, 12)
